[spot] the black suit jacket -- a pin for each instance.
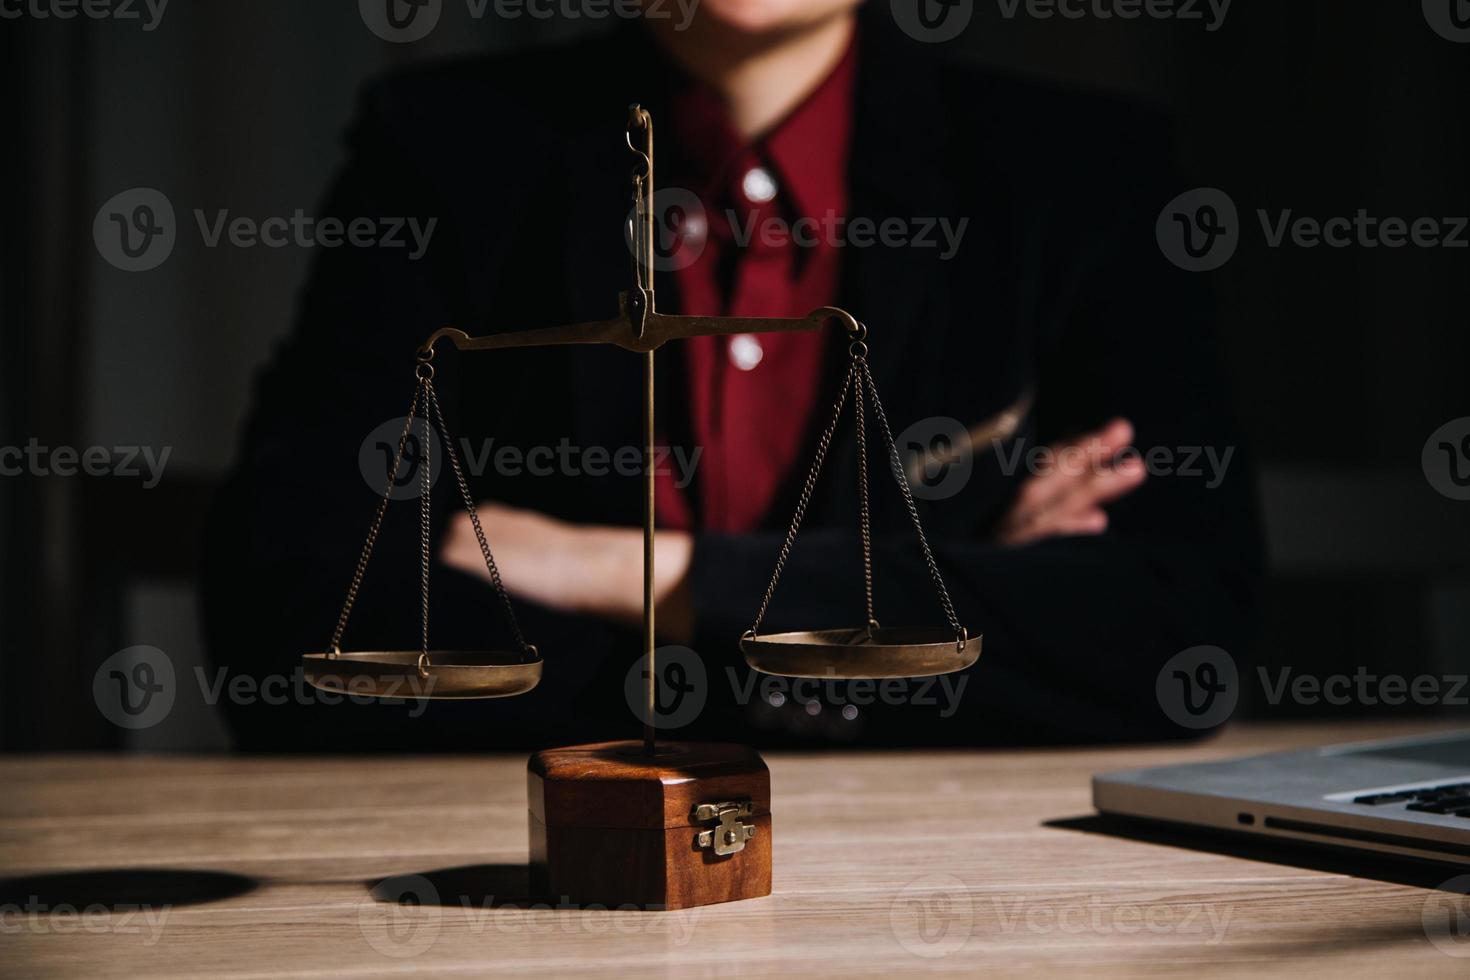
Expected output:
(1058, 291)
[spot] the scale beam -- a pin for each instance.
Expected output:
(866, 651)
(642, 329)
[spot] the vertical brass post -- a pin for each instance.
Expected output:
(649, 731)
(638, 118)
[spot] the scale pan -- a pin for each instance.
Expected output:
(451, 673)
(860, 653)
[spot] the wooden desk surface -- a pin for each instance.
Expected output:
(948, 863)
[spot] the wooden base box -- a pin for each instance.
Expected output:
(613, 826)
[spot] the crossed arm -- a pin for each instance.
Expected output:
(596, 570)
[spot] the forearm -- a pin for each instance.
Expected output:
(1095, 614)
(590, 570)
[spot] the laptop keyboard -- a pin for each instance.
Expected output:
(1453, 800)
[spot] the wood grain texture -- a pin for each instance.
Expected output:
(611, 784)
(956, 862)
(612, 826)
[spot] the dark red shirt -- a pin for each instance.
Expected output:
(765, 246)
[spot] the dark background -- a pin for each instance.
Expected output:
(1343, 361)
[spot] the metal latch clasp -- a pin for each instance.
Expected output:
(729, 835)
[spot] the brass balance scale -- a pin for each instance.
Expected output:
(653, 824)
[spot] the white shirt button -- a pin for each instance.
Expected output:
(746, 351)
(692, 228)
(758, 185)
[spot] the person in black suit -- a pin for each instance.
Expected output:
(1052, 323)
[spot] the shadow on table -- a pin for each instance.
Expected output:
(120, 889)
(1297, 854)
(472, 886)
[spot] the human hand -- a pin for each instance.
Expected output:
(1068, 498)
(588, 569)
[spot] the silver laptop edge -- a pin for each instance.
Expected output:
(1308, 795)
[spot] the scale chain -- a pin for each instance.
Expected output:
(425, 398)
(865, 522)
(469, 504)
(367, 547)
(806, 496)
(859, 372)
(425, 518)
(896, 465)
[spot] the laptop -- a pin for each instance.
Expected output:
(1403, 796)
